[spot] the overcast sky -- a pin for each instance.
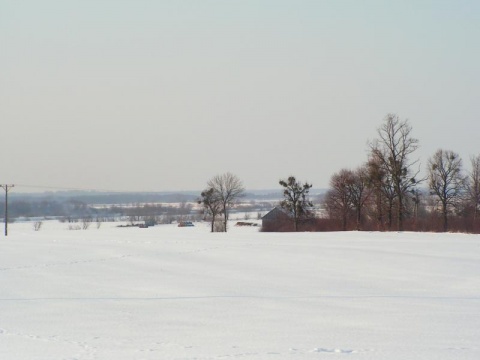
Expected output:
(159, 95)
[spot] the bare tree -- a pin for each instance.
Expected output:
(392, 149)
(380, 182)
(212, 204)
(229, 189)
(86, 221)
(359, 192)
(416, 197)
(473, 185)
(37, 225)
(295, 199)
(338, 200)
(446, 181)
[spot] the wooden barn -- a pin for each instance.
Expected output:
(275, 217)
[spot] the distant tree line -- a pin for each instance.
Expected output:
(33, 208)
(106, 198)
(73, 210)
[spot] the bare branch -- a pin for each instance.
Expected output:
(446, 181)
(228, 188)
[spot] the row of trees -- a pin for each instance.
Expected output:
(74, 210)
(224, 191)
(387, 190)
(384, 193)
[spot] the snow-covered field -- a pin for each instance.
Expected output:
(184, 293)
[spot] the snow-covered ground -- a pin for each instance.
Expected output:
(184, 293)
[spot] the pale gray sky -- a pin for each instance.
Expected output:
(162, 95)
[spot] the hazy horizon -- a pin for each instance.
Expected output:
(27, 191)
(162, 95)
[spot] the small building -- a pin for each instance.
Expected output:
(275, 218)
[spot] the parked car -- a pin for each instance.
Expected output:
(185, 223)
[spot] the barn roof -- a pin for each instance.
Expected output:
(276, 211)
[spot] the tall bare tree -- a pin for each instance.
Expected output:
(338, 198)
(229, 189)
(474, 185)
(295, 199)
(393, 149)
(212, 204)
(381, 185)
(446, 181)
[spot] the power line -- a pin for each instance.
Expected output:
(64, 188)
(7, 188)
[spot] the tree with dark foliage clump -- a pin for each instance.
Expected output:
(212, 204)
(296, 200)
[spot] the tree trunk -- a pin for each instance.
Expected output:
(225, 217)
(359, 218)
(380, 212)
(445, 217)
(400, 212)
(390, 215)
(295, 217)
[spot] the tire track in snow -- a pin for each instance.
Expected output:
(85, 351)
(252, 297)
(66, 263)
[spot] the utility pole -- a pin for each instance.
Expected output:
(7, 188)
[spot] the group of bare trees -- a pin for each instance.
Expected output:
(222, 193)
(382, 184)
(386, 190)
(384, 193)
(347, 195)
